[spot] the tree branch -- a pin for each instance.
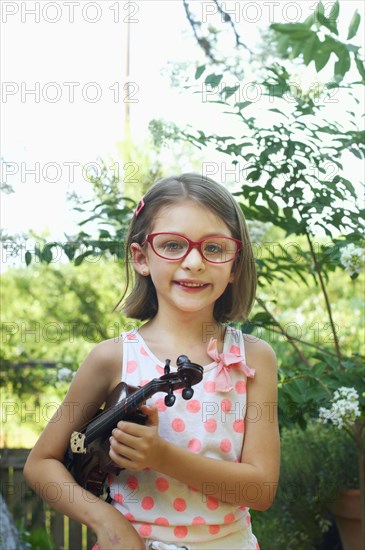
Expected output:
(317, 268)
(228, 19)
(283, 331)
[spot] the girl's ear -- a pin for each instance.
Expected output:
(139, 259)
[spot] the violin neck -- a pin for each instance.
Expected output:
(104, 423)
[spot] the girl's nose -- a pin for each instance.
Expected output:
(194, 260)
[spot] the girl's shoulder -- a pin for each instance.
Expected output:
(104, 361)
(259, 353)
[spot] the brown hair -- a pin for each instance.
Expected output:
(237, 299)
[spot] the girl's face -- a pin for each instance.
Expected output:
(191, 285)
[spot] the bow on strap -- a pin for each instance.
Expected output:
(226, 361)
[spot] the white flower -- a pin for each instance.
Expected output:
(344, 410)
(352, 258)
(65, 375)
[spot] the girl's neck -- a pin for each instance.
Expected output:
(167, 336)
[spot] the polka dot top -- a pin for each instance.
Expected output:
(211, 424)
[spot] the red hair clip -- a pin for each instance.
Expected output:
(140, 206)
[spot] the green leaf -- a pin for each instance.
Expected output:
(199, 71)
(243, 104)
(356, 152)
(70, 250)
(28, 257)
(213, 79)
(343, 64)
(80, 259)
(354, 25)
(321, 59)
(310, 47)
(228, 91)
(278, 111)
(360, 67)
(335, 10)
(47, 254)
(291, 28)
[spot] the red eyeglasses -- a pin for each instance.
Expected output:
(172, 246)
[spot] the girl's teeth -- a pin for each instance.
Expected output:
(192, 284)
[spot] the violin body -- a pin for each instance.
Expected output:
(90, 469)
(87, 457)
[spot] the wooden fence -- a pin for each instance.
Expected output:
(29, 510)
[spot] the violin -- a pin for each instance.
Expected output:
(87, 456)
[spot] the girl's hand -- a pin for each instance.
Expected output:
(116, 533)
(134, 446)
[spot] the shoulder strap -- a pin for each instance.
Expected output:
(234, 337)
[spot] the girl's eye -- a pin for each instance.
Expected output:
(172, 245)
(213, 248)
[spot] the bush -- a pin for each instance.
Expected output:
(316, 464)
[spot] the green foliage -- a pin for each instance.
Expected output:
(38, 539)
(54, 315)
(315, 465)
(303, 40)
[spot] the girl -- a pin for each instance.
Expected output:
(191, 473)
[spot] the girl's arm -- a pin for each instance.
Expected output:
(44, 470)
(252, 482)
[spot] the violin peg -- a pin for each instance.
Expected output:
(181, 360)
(166, 369)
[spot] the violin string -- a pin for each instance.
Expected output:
(127, 404)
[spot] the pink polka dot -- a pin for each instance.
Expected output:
(160, 404)
(142, 351)
(235, 349)
(162, 484)
(132, 336)
(180, 531)
(193, 489)
(198, 520)
(131, 365)
(147, 503)
(194, 445)
(225, 445)
(145, 530)
(212, 503)
(214, 529)
(162, 521)
(118, 497)
(178, 425)
(129, 516)
(228, 518)
(257, 546)
(226, 405)
(248, 519)
(143, 382)
(239, 426)
(209, 386)
(179, 504)
(210, 425)
(160, 370)
(240, 386)
(244, 508)
(193, 406)
(132, 482)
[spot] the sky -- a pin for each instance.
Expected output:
(63, 91)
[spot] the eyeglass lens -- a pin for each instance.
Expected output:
(215, 249)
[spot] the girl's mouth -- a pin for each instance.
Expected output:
(187, 284)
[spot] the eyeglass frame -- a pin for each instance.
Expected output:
(192, 244)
